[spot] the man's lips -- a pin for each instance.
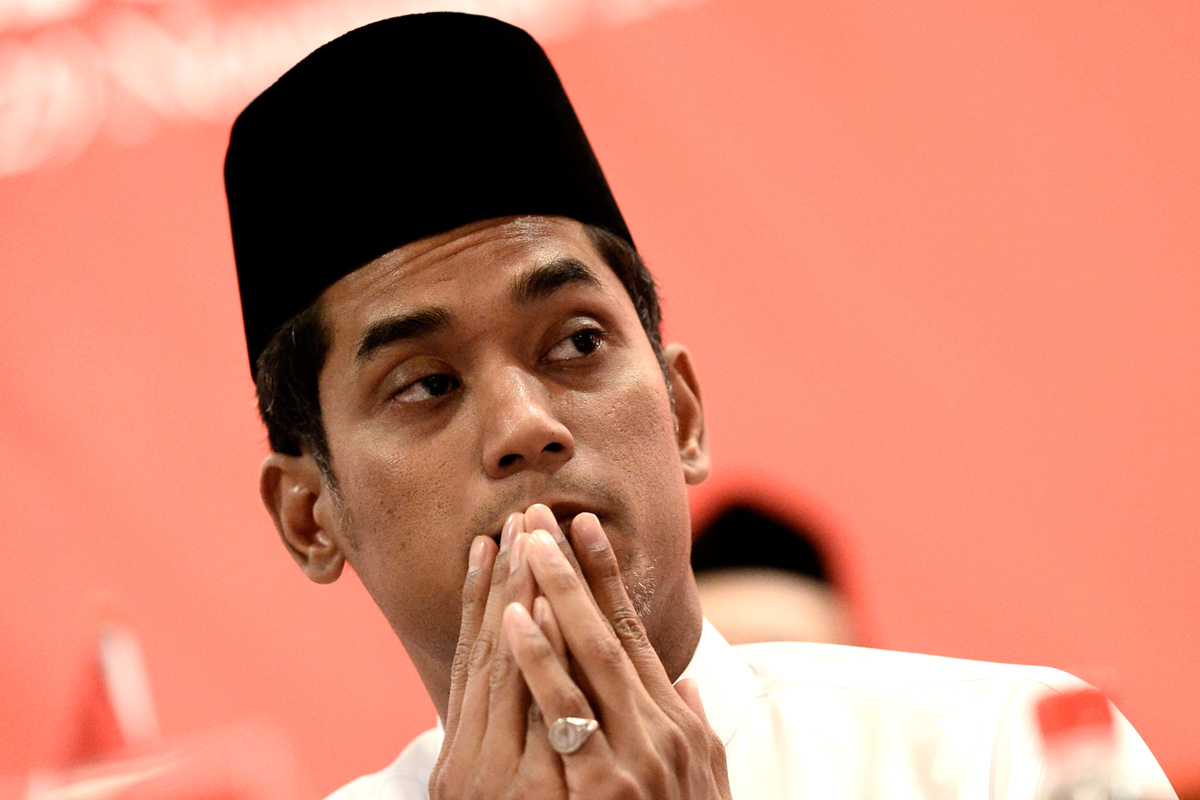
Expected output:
(564, 511)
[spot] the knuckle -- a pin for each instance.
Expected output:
(460, 667)
(574, 707)
(481, 652)
(443, 786)
(663, 776)
(675, 744)
(628, 626)
(566, 700)
(625, 785)
(503, 671)
(609, 654)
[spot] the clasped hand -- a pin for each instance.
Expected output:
(548, 631)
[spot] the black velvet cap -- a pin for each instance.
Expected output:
(401, 129)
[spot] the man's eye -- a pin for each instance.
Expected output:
(429, 387)
(586, 341)
(577, 345)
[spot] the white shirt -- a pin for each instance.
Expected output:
(827, 722)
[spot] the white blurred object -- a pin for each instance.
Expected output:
(1080, 748)
(123, 670)
(114, 749)
(17, 13)
(247, 761)
(66, 80)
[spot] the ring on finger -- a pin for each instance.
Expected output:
(567, 734)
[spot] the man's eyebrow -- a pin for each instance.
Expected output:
(545, 280)
(414, 324)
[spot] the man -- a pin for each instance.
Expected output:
(762, 578)
(457, 354)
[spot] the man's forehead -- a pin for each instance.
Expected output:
(501, 255)
(503, 238)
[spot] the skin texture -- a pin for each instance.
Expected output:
(466, 407)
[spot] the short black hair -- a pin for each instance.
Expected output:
(290, 365)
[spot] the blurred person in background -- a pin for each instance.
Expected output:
(458, 358)
(764, 579)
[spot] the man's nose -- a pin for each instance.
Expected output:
(521, 429)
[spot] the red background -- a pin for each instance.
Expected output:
(937, 267)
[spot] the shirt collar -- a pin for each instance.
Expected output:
(726, 683)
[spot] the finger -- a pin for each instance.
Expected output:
(539, 755)
(508, 696)
(481, 649)
(552, 688)
(595, 649)
(474, 600)
(600, 569)
(520, 586)
(543, 615)
(539, 517)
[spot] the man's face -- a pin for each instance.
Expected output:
(474, 373)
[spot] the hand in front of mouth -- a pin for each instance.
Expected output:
(495, 743)
(653, 739)
(582, 653)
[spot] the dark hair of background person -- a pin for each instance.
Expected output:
(744, 536)
(765, 578)
(291, 364)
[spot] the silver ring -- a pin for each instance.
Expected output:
(567, 734)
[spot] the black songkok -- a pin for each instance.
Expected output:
(401, 129)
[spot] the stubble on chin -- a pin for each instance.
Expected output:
(640, 585)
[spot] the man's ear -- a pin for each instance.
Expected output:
(689, 414)
(302, 506)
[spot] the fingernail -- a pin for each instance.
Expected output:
(545, 542)
(540, 517)
(539, 610)
(506, 531)
(588, 533)
(516, 614)
(475, 559)
(518, 552)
